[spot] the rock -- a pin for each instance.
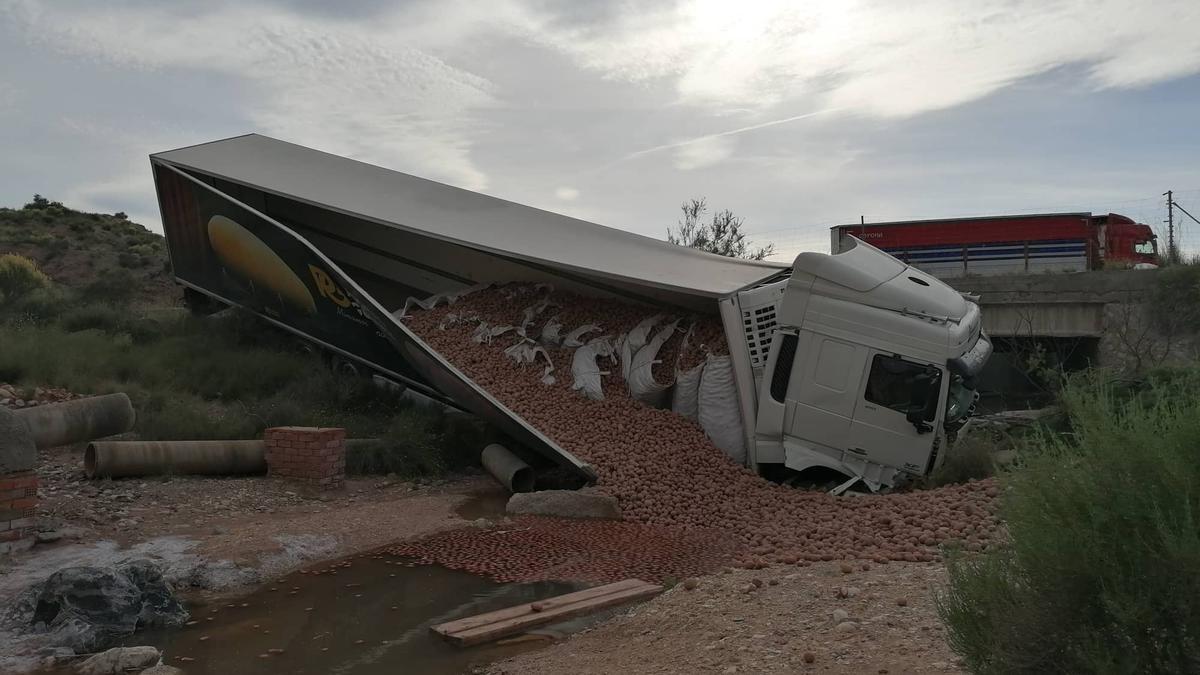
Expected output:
(691, 583)
(565, 504)
(119, 660)
(91, 608)
(840, 615)
(809, 657)
(902, 602)
(49, 537)
(846, 627)
(17, 451)
(162, 669)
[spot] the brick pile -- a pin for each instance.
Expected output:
(312, 455)
(18, 500)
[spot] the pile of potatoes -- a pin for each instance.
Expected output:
(533, 548)
(662, 468)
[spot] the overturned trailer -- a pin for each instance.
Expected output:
(331, 249)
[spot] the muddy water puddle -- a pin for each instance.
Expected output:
(487, 504)
(373, 616)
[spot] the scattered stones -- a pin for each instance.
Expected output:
(846, 627)
(119, 660)
(840, 615)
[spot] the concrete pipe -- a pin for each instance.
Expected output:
(510, 470)
(83, 419)
(118, 459)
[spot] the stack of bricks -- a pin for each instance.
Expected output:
(308, 454)
(18, 498)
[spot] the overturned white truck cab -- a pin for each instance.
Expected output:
(854, 362)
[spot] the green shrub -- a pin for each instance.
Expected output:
(164, 416)
(969, 458)
(98, 317)
(112, 287)
(19, 276)
(1175, 300)
(1102, 568)
(39, 306)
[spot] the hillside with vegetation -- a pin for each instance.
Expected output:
(98, 255)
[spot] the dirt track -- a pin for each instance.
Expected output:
(725, 627)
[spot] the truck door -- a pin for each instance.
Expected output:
(898, 415)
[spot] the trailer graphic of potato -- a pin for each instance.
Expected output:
(245, 254)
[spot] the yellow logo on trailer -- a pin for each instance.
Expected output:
(328, 288)
(253, 260)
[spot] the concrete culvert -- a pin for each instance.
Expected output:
(79, 420)
(507, 468)
(118, 459)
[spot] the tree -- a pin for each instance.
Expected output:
(721, 235)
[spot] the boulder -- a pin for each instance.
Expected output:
(565, 504)
(17, 451)
(120, 660)
(91, 608)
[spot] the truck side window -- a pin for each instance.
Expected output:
(1144, 247)
(891, 383)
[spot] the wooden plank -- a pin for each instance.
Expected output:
(459, 625)
(517, 624)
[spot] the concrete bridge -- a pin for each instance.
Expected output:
(1070, 305)
(1067, 321)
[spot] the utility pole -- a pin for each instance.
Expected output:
(1171, 253)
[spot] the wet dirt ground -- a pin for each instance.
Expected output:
(364, 616)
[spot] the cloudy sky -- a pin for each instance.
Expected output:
(794, 114)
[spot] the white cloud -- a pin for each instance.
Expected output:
(704, 152)
(566, 193)
(884, 58)
(354, 89)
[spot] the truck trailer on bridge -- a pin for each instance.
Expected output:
(855, 362)
(1017, 244)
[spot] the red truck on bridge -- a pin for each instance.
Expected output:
(1018, 244)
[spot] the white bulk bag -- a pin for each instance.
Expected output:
(720, 415)
(634, 340)
(586, 370)
(685, 397)
(642, 385)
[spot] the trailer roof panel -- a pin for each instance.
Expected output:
(1014, 216)
(464, 217)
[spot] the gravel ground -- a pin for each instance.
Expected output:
(727, 624)
(249, 520)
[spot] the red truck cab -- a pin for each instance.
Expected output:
(1125, 240)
